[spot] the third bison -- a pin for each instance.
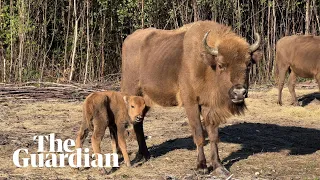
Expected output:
(300, 55)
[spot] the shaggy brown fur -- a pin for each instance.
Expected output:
(114, 110)
(300, 55)
(174, 67)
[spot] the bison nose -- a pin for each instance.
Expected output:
(239, 94)
(139, 118)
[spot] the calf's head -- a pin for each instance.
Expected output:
(136, 107)
(230, 63)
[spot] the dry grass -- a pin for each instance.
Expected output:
(269, 142)
(262, 105)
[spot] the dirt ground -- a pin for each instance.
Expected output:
(269, 142)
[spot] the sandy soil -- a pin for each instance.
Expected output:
(269, 142)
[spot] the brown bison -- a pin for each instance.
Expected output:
(300, 55)
(113, 110)
(202, 66)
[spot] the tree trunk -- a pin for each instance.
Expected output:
(266, 74)
(195, 10)
(4, 70)
(102, 48)
(287, 19)
(2, 52)
(3, 56)
(75, 38)
(88, 45)
(21, 38)
(44, 41)
(142, 14)
(307, 17)
(273, 39)
(316, 13)
(239, 18)
(11, 40)
(67, 36)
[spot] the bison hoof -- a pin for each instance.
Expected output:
(280, 103)
(295, 103)
(223, 172)
(79, 169)
(76, 169)
(203, 171)
(142, 157)
(102, 171)
(139, 157)
(128, 164)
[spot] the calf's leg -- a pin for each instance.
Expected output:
(82, 134)
(97, 136)
(122, 144)
(114, 139)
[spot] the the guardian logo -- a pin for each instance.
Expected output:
(56, 156)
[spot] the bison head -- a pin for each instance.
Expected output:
(136, 107)
(230, 61)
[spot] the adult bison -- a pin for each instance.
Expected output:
(202, 66)
(300, 55)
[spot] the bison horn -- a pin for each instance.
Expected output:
(209, 49)
(255, 45)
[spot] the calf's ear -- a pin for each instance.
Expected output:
(125, 99)
(256, 57)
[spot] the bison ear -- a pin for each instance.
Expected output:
(256, 57)
(209, 59)
(126, 99)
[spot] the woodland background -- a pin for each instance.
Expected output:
(43, 40)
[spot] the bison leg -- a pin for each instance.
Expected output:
(318, 80)
(213, 135)
(82, 134)
(143, 150)
(97, 136)
(114, 139)
(193, 115)
(122, 144)
(291, 84)
(282, 76)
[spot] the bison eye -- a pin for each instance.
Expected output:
(132, 106)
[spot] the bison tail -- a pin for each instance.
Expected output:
(88, 121)
(276, 70)
(106, 108)
(276, 74)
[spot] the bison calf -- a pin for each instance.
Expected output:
(114, 110)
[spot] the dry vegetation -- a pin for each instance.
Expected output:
(269, 142)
